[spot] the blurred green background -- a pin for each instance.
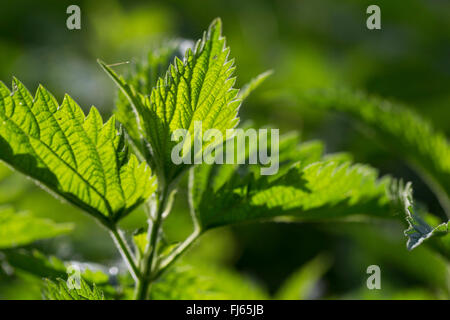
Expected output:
(308, 44)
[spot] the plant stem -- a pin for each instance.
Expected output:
(176, 253)
(143, 283)
(125, 251)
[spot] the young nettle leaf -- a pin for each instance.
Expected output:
(306, 188)
(143, 77)
(19, 229)
(140, 241)
(78, 158)
(59, 290)
(419, 230)
(199, 88)
(402, 130)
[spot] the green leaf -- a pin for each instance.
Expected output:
(35, 263)
(400, 129)
(305, 188)
(77, 158)
(19, 229)
(199, 88)
(419, 230)
(4, 171)
(143, 77)
(196, 281)
(438, 236)
(39, 265)
(60, 291)
(140, 240)
(301, 283)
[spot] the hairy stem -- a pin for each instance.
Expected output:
(176, 253)
(143, 283)
(126, 253)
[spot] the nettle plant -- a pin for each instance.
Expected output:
(108, 170)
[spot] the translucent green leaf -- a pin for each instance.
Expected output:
(143, 76)
(77, 158)
(34, 263)
(204, 282)
(402, 131)
(305, 188)
(199, 88)
(37, 264)
(140, 240)
(59, 290)
(19, 229)
(4, 171)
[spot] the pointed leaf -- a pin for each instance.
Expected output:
(77, 158)
(60, 291)
(143, 77)
(19, 229)
(305, 188)
(419, 230)
(199, 88)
